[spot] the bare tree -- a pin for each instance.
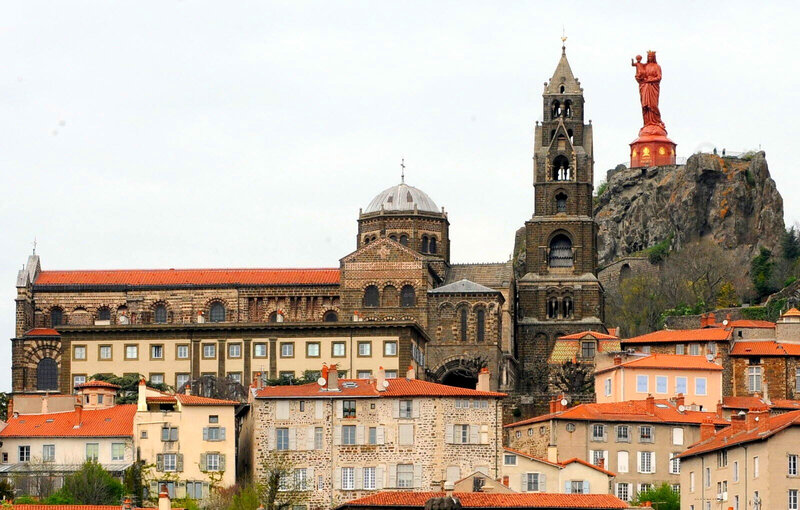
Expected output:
(280, 485)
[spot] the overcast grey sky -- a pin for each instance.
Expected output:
(248, 134)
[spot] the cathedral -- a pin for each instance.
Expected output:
(395, 303)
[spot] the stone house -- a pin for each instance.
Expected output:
(349, 437)
(639, 440)
(752, 464)
(523, 472)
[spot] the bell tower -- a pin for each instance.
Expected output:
(560, 293)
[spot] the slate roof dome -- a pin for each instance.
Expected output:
(402, 197)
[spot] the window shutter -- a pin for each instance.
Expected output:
(179, 462)
(154, 489)
(205, 433)
(653, 462)
(586, 486)
(392, 482)
(222, 433)
(567, 487)
(203, 466)
(448, 433)
(222, 462)
(379, 477)
(606, 461)
(360, 434)
(311, 482)
(318, 409)
(396, 409)
(524, 482)
(337, 478)
(358, 474)
(309, 438)
(337, 435)
(542, 482)
(380, 435)
(639, 462)
(160, 462)
(415, 408)
(164, 434)
(473, 434)
(339, 409)
(484, 434)
(293, 439)
(417, 476)
(271, 439)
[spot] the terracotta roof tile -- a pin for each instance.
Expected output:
(747, 323)
(594, 334)
(628, 411)
(400, 387)
(780, 403)
(667, 362)
(743, 403)
(42, 332)
(196, 400)
(72, 507)
(680, 335)
(587, 464)
(765, 348)
(116, 421)
(97, 384)
(567, 350)
(184, 277)
(489, 500)
(726, 437)
(792, 312)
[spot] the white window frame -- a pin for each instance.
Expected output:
(662, 382)
(681, 381)
(408, 476)
(755, 379)
(608, 386)
(369, 478)
(625, 493)
(642, 379)
(697, 381)
(792, 465)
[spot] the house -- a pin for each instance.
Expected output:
(525, 473)
(397, 500)
(752, 464)
(350, 437)
(582, 347)
(664, 375)
(639, 440)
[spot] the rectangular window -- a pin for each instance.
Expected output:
(390, 348)
(287, 350)
(598, 432)
(391, 374)
(170, 462)
(365, 349)
(691, 481)
(707, 480)
(312, 349)
(363, 374)
(694, 349)
(235, 350)
(661, 384)
(598, 457)
(169, 433)
(680, 349)
(646, 434)
(735, 470)
(608, 387)
(49, 453)
(576, 486)
(131, 352)
(349, 409)
(797, 379)
(373, 435)
(531, 482)
(182, 351)
(349, 434)
(214, 433)
(681, 385)
(156, 378)
(677, 436)
(235, 377)
(318, 438)
(259, 350)
(117, 451)
(287, 375)
(79, 352)
(722, 458)
(700, 386)
(92, 451)
(792, 499)
(212, 462)
(622, 461)
(623, 434)
(156, 352)
(624, 491)
(209, 351)
(461, 434)
(24, 453)
(406, 408)
(753, 379)
(674, 463)
(405, 475)
(646, 462)
(338, 349)
(78, 379)
(213, 418)
(369, 478)
(104, 353)
(755, 466)
(510, 460)
(587, 350)
(282, 438)
(405, 434)
(348, 478)
(792, 465)
(181, 380)
(641, 384)
(300, 479)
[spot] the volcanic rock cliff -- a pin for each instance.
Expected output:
(731, 200)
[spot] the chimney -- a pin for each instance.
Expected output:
(601, 463)
(703, 320)
(728, 318)
(505, 481)
(187, 389)
(758, 419)
(680, 400)
(483, 380)
(10, 408)
(333, 378)
(142, 400)
(380, 382)
(617, 359)
(711, 319)
(719, 409)
(258, 381)
(738, 422)
(163, 498)
(44, 404)
(552, 405)
(706, 429)
(127, 504)
(78, 411)
(411, 373)
(650, 405)
(552, 454)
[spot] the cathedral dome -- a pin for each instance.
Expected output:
(402, 197)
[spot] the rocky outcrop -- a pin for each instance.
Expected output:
(733, 201)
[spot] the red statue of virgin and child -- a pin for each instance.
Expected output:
(652, 148)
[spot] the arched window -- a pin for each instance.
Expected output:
(561, 203)
(103, 314)
(562, 89)
(407, 296)
(463, 324)
(566, 307)
(371, 296)
(568, 108)
(480, 325)
(404, 240)
(560, 251)
(390, 296)
(432, 245)
(552, 308)
(555, 109)
(47, 374)
(624, 272)
(160, 314)
(424, 244)
(330, 316)
(366, 240)
(393, 237)
(571, 136)
(561, 170)
(56, 317)
(273, 317)
(217, 312)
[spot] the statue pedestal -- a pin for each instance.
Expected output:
(652, 150)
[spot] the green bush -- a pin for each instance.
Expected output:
(661, 497)
(26, 500)
(92, 485)
(659, 251)
(601, 188)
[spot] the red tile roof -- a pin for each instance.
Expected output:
(792, 312)
(73, 507)
(628, 411)
(182, 277)
(400, 387)
(587, 464)
(97, 384)
(680, 335)
(489, 500)
(765, 348)
(747, 323)
(41, 332)
(594, 334)
(195, 400)
(667, 362)
(780, 403)
(726, 437)
(743, 403)
(116, 421)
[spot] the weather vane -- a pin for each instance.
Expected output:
(403, 170)
(34, 246)
(563, 38)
